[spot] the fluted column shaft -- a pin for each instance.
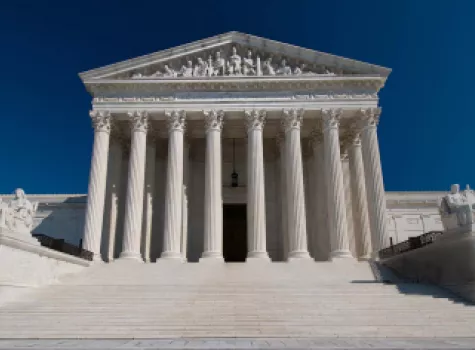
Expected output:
(174, 190)
(149, 194)
(213, 205)
(337, 221)
(184, 228)
(321, 238)
(283, 195)
(256, 204)
(97, 183)
(374, 179)
(359, 201)
(296, 219)
(115, 169)
(135, 187)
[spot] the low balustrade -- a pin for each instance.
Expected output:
(61, 246)
(411, 244)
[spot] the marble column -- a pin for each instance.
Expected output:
(184, 226)
(135, 187)
(213, 204)
(97, 183)
(283, 194)
(174, 189)
(321, 237)
(115, 160)
(149, 194)
(256, 203)
(374, 179)
(337, 222)
(296, 219)
(358, 194)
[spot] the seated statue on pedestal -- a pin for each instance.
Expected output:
(456, 210)
(17, 215)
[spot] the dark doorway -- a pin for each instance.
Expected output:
(234, 232)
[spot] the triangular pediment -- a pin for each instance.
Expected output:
(233, 55)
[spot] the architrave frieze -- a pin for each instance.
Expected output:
(108, 87)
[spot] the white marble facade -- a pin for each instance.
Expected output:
(299, 127)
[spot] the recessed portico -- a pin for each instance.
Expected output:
(302, 142)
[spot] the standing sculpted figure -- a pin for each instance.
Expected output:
(210, 67)
(267, 67)
(18, 214)
(284, 69)
(169, 72)
(235, 62)
(200, 68)
(248, 67)
(187, 71)
(219, 65)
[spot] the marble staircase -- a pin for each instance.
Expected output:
(172, 300)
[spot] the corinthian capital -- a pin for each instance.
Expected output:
(176, 120)
(101, 120)
(292, 119)
(255, 119)
(138, 120)
(213, 120)
(331, 118)
(369, 117)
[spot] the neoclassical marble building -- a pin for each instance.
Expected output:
(239, 148)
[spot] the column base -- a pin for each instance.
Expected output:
(97, 259)
(364, 258)
(212, 257)
(341, 254)
(257, 257)
(171, 256)
(132, 256)
(298, 255)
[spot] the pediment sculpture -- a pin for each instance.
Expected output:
(235, 65)
(16, 215)
(457, 210)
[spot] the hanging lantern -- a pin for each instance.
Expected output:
(234, 175)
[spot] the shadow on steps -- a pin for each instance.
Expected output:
(383, 274)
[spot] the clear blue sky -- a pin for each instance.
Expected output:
(427, 126)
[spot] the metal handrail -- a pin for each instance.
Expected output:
(61, 246)
(411, 244)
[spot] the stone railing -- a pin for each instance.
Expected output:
(411, 244)
(61, 246)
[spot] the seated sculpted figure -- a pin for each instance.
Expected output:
(17, 215)
(456, 209)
